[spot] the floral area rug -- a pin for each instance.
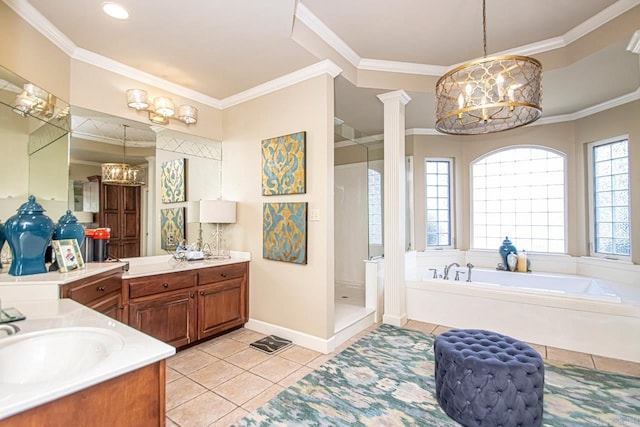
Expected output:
(387, 379)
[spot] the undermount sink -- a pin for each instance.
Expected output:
(53, 354)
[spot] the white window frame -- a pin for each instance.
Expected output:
(471, 195)
(592, 205)
(451, 203)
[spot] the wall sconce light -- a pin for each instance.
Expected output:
(161, 108)
(37, 102)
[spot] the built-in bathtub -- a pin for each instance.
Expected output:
(567, 285)
(560, 310)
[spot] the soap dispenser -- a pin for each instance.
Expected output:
(522, 262)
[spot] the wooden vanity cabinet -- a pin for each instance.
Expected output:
(222, 299)
(164, 306)
(102, 292)
(186, 306)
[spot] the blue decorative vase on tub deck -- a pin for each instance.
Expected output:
(28, 234)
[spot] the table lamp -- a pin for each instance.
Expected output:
(218, 212)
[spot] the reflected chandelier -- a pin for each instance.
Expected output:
(489, 94)
(123, 173)
(161, 108)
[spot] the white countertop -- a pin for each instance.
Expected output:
(57, 278)
(150, 265)
(139, 350)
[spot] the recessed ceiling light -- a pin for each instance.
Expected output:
(115, 10)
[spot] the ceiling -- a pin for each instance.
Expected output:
(221, 48)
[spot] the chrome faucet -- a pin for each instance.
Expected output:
(469, 266)
(9, 328)
(447, 268)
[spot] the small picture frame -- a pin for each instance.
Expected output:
(68, 255)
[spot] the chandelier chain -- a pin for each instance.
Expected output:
(484, 27)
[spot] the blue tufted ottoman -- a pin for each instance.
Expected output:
(487, 379)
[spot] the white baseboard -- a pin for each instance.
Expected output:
(346, 333)
(394, 320)
(324, 346)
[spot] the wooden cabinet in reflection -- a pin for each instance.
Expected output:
(119, 210)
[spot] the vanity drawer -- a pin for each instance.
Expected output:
(221, 273)
(86, 291)
(151, 285)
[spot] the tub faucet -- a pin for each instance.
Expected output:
(447, 268)
(469, 266)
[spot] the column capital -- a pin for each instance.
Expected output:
(399, 95)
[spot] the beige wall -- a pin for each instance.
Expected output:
(623, 120)
(102, 90)
(298, 297)
(32, 56)
(569, 138)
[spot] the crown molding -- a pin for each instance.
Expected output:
(599, 19)
(594, 109)
(402, 67)
(325, 33)
(317, 69)
(42, 25)
(586, 112)
(133, 73)
(634, 43)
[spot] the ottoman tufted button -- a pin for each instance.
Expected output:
(470, 363)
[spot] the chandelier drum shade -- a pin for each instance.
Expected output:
(123, 173)
(161, 108)
(488, 95)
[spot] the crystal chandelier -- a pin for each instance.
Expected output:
(490, 94)
(123, 173)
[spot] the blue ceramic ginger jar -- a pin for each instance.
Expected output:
(68, 228)
(28, 234)
(506, 248)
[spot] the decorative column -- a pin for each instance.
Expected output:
(395, 300)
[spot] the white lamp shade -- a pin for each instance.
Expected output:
(217, 211)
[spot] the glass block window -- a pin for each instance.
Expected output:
(610, 198)
(375, 207)
(519, 192)
(438, 202)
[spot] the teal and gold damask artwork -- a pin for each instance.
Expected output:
(172, 181)
(283, 165)
(284, 232)
(171, 228)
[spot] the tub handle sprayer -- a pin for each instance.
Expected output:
(469, 266)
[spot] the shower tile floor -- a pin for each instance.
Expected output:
(220, 381)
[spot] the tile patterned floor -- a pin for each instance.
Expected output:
(220, 381)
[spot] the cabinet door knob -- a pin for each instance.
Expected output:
(101, 288)
(166, 285)
(192, 295)
(202, 293)
(223, 274)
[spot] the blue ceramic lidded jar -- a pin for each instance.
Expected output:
(68, 228)
(2, 239)
(506, 248)
(28, 234)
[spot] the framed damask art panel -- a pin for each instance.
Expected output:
(284, 232)
(171, 228)
(283, 165)
(172, 181)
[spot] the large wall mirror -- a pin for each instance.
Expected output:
(55, 161)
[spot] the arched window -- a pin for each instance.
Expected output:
(519, 192)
